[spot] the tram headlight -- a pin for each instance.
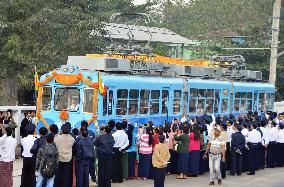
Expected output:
(71, 69)
(64, 68)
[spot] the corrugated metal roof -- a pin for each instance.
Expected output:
(141, 33)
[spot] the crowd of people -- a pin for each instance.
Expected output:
(117, 151)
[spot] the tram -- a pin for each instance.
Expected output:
(92, 90)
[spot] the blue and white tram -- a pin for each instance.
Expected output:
(143, 98)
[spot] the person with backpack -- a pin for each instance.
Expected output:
(46, 162)
(84, 152)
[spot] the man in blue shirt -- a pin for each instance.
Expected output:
(237, 146)
(104, 144)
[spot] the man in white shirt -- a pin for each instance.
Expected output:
(272, 146)
(264, 142)
(28, 170)
(254, 137)
(121, 142)
(280, 146)
(7, 155)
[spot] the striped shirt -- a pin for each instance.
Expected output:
(144, 147)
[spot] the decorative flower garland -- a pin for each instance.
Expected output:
(69, 79)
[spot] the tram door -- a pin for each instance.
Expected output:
(165, 102)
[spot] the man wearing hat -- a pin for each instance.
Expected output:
(28, 171)
(64, 144)
(237, 146)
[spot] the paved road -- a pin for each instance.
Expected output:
(264, 178)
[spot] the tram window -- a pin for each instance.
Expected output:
(200, 106)
(193, 92)
(243, 95)
(210, 93)
(216, 101)
(88, 100)
(46, 99)
(155, 95)
(176, 103)
(249, 105)
(122, 94)
(121, 104)
(165, 98)
(67, 99)
(237, 94)
(133, 102)
(209, 105)
(269, 101)
(144, 101)
(243, 105)
(201, 93)
(261, 101)
(192, 105)
(237, 105)
(249, 95)
(224, 107)
(105, 105)
(225, 92)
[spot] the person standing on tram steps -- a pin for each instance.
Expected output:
(160, 158)
(121, 142)
(216, 150)
(28, 172)
(64, 144)
(7, 155)
(104, 144)
(46, 163)
(237, 146)
(10, 122)
(254, 137)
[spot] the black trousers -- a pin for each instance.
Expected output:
(245, 164)
(252, 157)
(117, 172)
(28, 178)
(82, 172)
(259, 156)
(223, 169)
(271, 154)
(262, 157)
(104, 170)
(173, 162)
(236, 164)
(159, 177)
(280, 155)
(92, 169)
(63, 176)
(228, 156)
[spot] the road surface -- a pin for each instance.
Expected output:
(264, 178)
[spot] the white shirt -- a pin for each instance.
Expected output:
(254, 136)
(121, 139)
(183, 119)
(245, 132)
(230, 131)
(27, 144)
(265, 139)
(280, 136)
(272, 134)
(7, 148)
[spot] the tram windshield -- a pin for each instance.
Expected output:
(67, 99)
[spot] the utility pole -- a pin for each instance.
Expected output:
(274, 41)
